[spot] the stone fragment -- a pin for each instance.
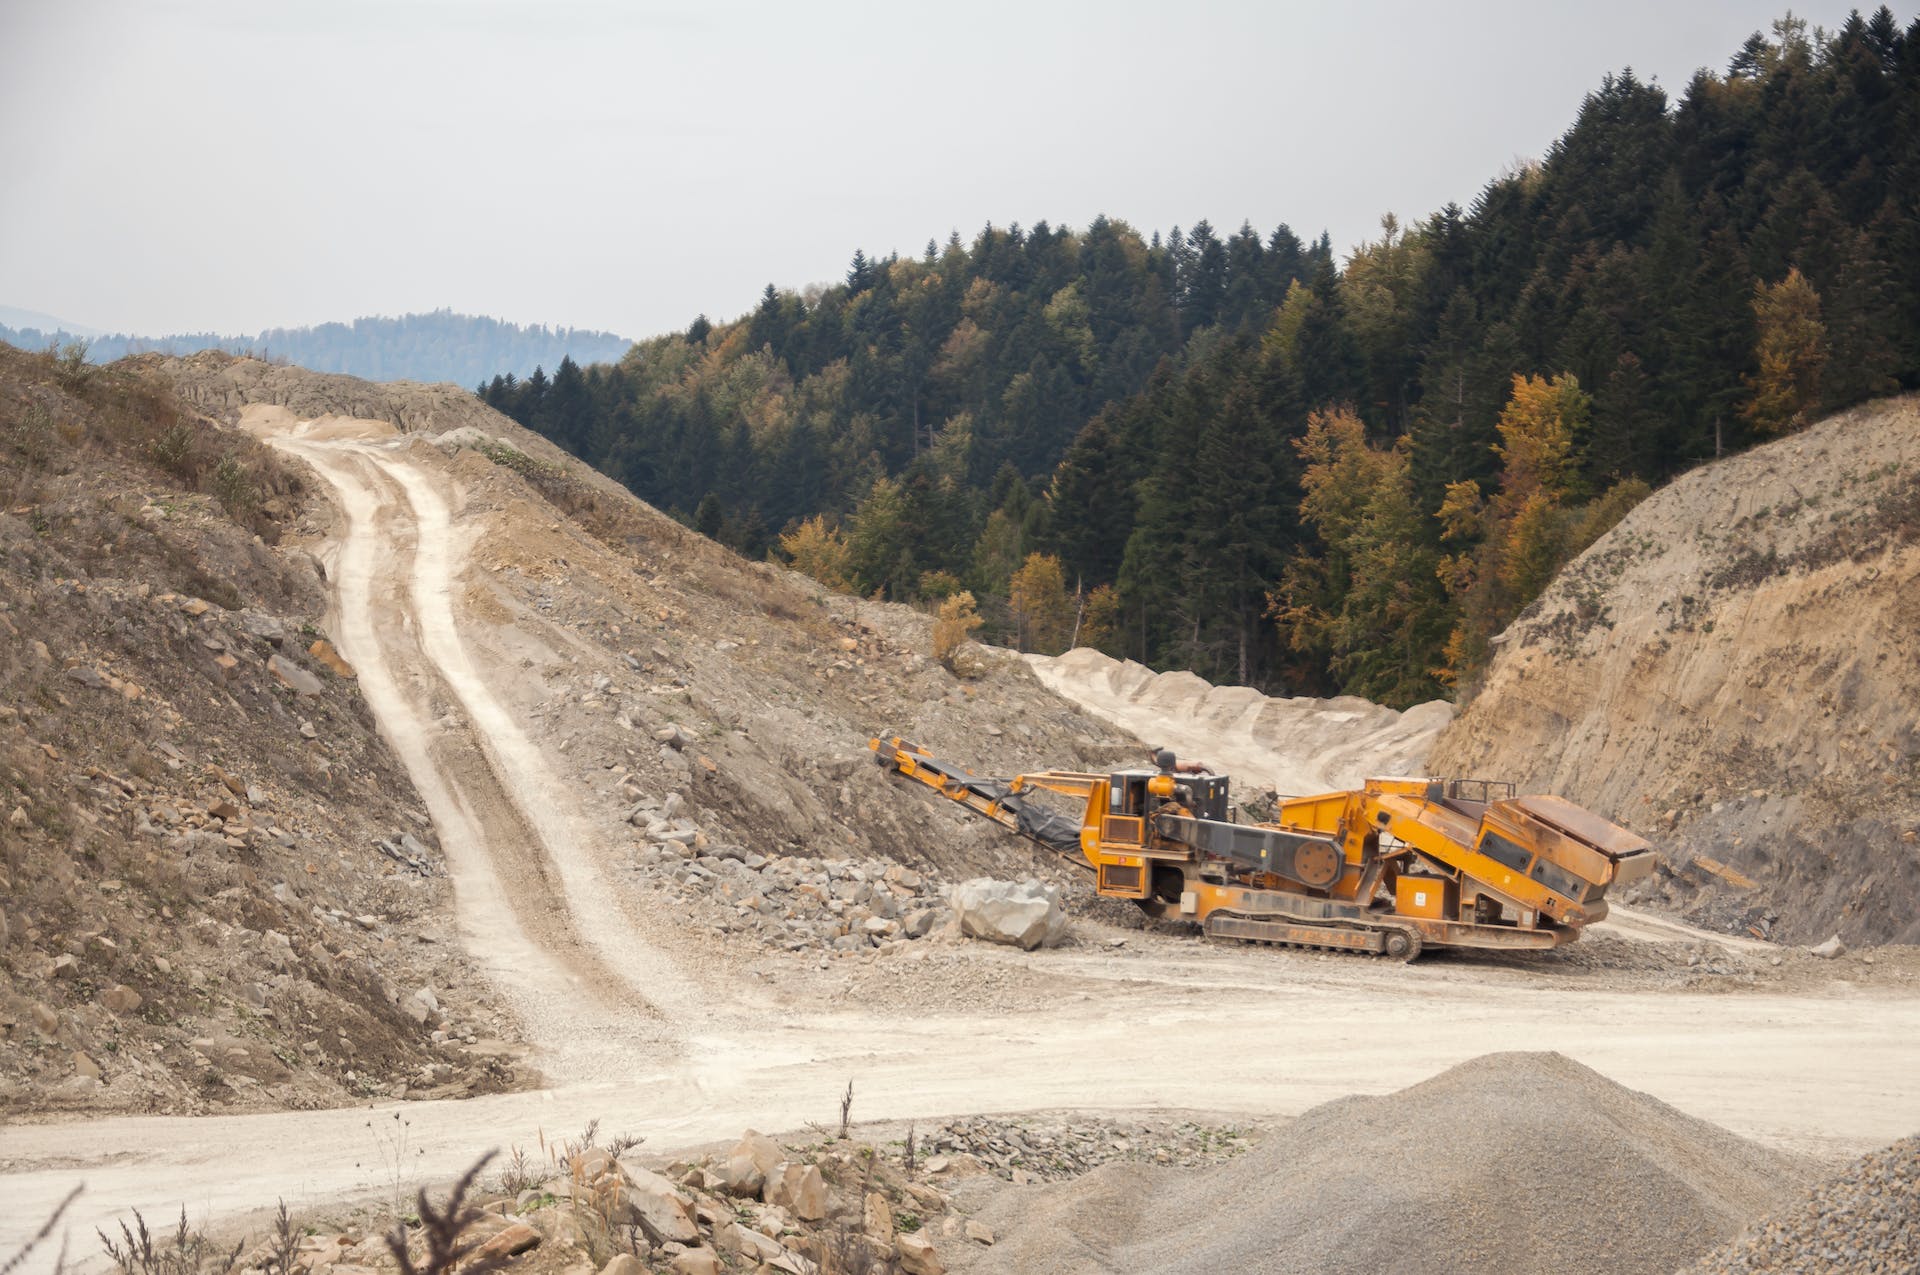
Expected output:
(696, 1261)
(516, 1239)
(322, 650)
(877, 1217)
(121, 999)
(799, 1188)
(293, 677)
(979, 1232)
(748, 1243)
(1832, 949)
(85, 1066)
(657, 1207)
(917, 1256)
(623, 1264)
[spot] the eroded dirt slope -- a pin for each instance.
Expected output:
(1732, 672)
(195, 909)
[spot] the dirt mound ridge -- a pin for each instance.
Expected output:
(220, 384)
(1294, 746)
(1731, 672)
(1515, 1162)
(1865, 1220)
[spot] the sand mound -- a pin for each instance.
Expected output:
(1865, 1219)
(1513, 1163)
(1294, 746)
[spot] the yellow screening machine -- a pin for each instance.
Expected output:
(1392, 867)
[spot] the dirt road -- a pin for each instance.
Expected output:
(644, 1044)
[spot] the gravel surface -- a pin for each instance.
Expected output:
(1863, 1221)
(1515, 1163)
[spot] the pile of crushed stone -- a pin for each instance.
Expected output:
(1863, 1221)
(1527, 1164)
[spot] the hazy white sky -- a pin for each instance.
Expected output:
(177, 165)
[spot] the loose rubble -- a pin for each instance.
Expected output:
(1865, 1220)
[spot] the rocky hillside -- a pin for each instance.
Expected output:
(217, 889)
(1732, 672)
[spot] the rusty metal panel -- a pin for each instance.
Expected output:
(1584, 824)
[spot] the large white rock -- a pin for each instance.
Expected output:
(660, 1209)
(1024, 914)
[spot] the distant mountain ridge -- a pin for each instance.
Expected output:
(440, 346)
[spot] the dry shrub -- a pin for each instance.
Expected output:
(953, 625)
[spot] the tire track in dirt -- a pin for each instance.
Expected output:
(530, 909)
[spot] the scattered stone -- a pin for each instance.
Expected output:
(293, 677)
(65, 965)
(121, 999)
(1832, 949)
(85, 1066)
(45, 1021)
(1026, 914)
(978, 1232)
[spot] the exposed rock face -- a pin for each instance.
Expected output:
(1730, 672)
(1023, 914)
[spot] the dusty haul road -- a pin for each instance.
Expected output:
(638, 1041)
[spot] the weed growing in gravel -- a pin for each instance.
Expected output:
(394, 1156)
(184, 1252)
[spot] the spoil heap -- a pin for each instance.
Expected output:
(1511, 1162)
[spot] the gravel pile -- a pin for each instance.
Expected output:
(1526, 1164)
(1055, 1150)
(1864, 1221)
(786, 902)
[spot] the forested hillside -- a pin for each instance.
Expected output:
(1238, 454)
(441, 346)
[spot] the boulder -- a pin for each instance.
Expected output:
(969, 660)
(1024, 914)
(657, 1207)
(917, 1256)
(799, 1188)
(743, 1172)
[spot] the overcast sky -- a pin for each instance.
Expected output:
(189, 165)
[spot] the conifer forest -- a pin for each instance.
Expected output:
(1244, 453)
